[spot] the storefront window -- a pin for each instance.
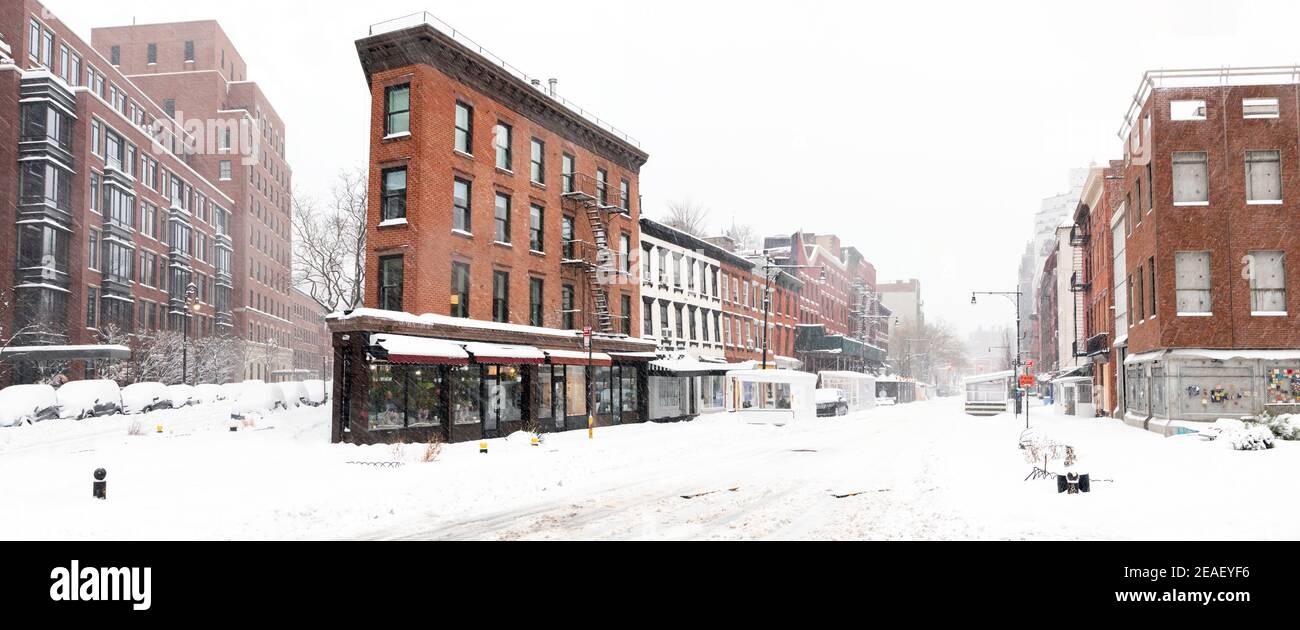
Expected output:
(545, 392)
(765, 396)
(575, 390)
(603, 393)
(424, 397)
(627, 380)
(504, 395)
(387, 404)
(464, 383)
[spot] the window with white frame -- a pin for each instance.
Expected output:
(1263, 177)
(1192, 283)
(1187, 110)
(1267, 274)
(1259, 108)
(1191, 178)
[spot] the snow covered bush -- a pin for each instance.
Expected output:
(27, 403)
(1250, 437)
(86, 399)
(1286, 427)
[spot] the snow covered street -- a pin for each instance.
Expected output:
(920, 471)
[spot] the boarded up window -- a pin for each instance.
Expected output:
(1267, 282)
(1263, 176)
(1191, 177)
(1192, 282)
(1187, 110)
(1259, 108)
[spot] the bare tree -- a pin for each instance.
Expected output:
(744, 236)
(120, 370)
(687, 216)
(330, 243)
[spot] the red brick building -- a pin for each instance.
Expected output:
(507, 216)
(1102, 193)
(1206, 303)
(112, 222)
(196, 74)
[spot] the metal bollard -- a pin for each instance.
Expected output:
(482, 447)
(99, 487)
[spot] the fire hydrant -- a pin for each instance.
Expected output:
(99, 487)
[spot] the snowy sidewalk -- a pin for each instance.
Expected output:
(920, 471)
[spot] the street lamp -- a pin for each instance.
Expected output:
(191, 305)
(1016, 299)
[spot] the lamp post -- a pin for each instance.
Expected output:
(1014, 296)
(768, 266)
(191, 304)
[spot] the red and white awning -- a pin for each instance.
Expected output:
(576, 357)
(421, 350)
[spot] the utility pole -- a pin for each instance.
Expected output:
(1021, 399)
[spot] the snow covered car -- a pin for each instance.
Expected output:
(230, 391)
(89, 399)
(181, 395)
(255, 397)
(295, 395)
(208, 393)
(317, 395)
(21, 404)
(145, 397)
(831, 402)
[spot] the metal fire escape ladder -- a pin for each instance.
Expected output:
(583, 194)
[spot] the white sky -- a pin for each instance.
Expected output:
(924, 133)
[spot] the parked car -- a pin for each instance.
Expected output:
(89, 399)
(317, 392)
(831, 402)
(25, 404)
(230, 391)
(181, 395)
(145, 397)
(208, 393)
(295, 395)
(256, 396)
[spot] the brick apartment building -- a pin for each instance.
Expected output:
(313, 358)
(195, 73)
(492, 202)
(1102, 193)
(112, 221)
(681, 302)
(1205, 299)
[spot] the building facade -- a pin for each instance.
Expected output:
(115, 231)
(511, 221)
(681, 302)
(1205, 300)
(313, 357)
(1093, 238)
(198, 76)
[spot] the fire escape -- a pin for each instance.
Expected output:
(1079, 286)
(861, 311)
(586, 196)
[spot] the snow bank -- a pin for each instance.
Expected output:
(1285, 427)
(294, 393)
(27, 403)
(316, 392)
(208, 393)
(84, 399)
(144, 397)
(230, 391)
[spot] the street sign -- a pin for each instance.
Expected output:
(1027, 380)
(586, 337)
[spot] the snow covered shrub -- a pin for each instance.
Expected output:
(1285, 427)
(1251, 437)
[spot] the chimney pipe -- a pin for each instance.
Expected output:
(551, 83)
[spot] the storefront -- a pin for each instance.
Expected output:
(682, 388)
(776, 396)
(399, 377)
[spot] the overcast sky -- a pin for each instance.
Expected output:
(924, 133)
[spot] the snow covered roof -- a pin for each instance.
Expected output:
(686, 366)
(1215, 354)
(495, 353)
(774, 376)
(984, 378)
(445, 320)
(849, 375)
(575, 357)
(421, 350)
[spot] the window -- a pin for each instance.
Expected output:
(464, 128)
(224, 174)
(500, 296)
(602, 189)
(459, 289)
(625, 252)
(1191, 178)
(501, 138)
(535, 302)
(1192, 282)
(1151, 200)
(1187, 110)
(394, 194)
(624, 194)
(566, 305)
(535, 229)
(1139, 297)
(151, 53)
(390, 283)
(460, 214)
(34, 41)
(189, 50)
(113, 150)
(502, 234)
(92, 250)
(1151, 284)
(679, 328)
(567, 237)
(1259, 108)
(397, 109)
(663, 319)
(1263, 177)
(626, 302)
(115, 55)
(566, 172)
(1267, 282)
(92, 302)
(647, 318)
(538, 161)
(663, 266)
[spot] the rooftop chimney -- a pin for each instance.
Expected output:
(551, 83)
